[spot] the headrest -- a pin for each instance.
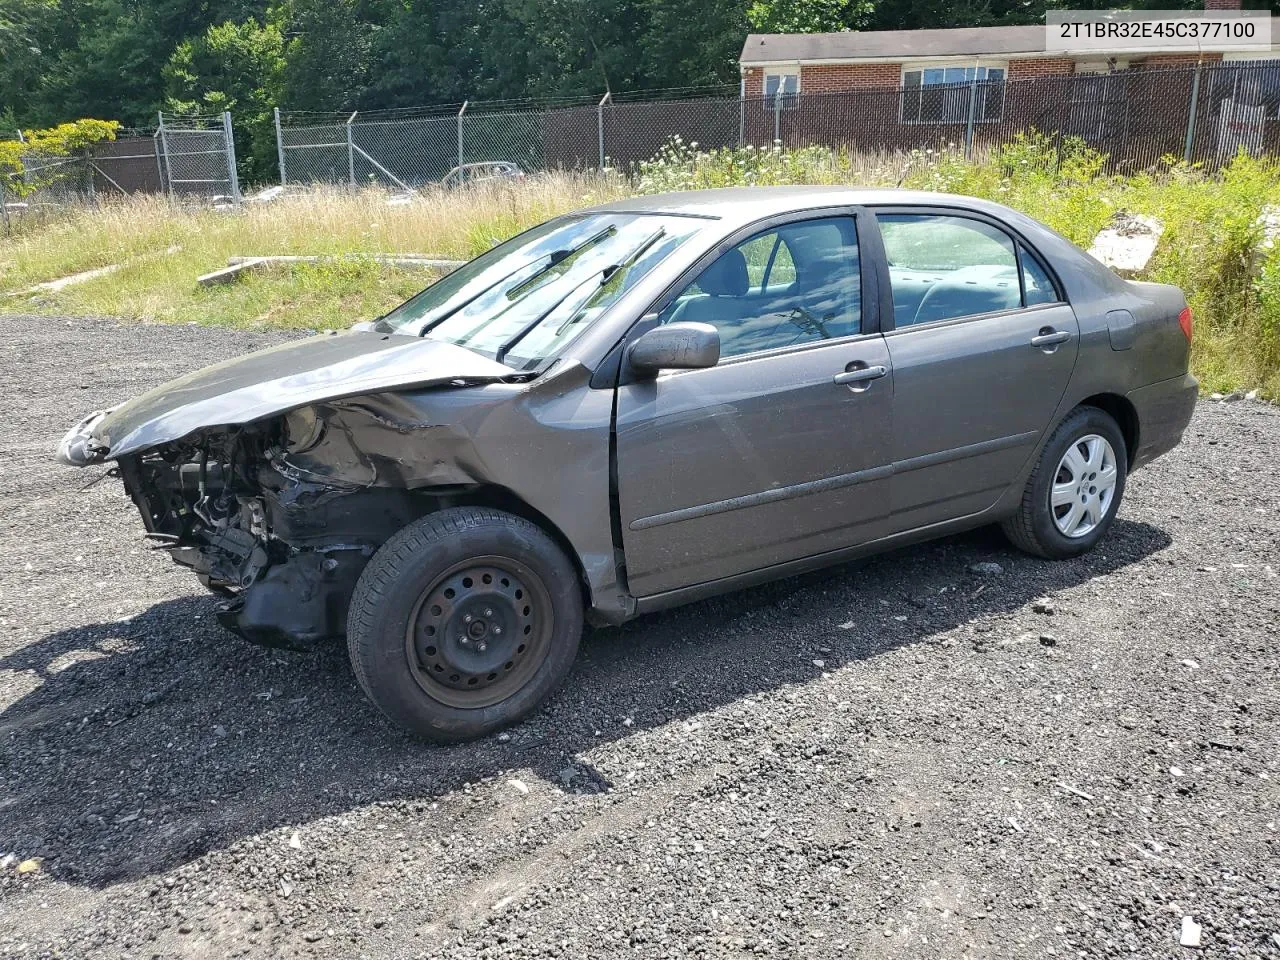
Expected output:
(727, 277)
(835, 269)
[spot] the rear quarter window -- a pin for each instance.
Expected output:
(1038, 287)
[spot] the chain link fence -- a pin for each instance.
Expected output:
(1203, 114)
(42, 180)
(131, 163)
(183, 157)
(197, 157)
(128, 164)
(1198, 113)
(407, 148)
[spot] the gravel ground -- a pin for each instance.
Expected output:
(899, 758)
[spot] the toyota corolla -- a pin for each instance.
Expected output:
(642, 404)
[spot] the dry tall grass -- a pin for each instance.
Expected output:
(160, 248)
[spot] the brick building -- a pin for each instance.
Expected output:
(889, 59)
(896, 89)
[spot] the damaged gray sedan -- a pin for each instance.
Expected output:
(643, 404)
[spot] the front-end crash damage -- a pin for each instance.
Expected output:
(277, 475)
(281, 516)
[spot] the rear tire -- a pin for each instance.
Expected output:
(463, 623)
(1072, 495)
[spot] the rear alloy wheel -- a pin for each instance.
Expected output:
(1072, 495)
(464, 622)
(1084, 486)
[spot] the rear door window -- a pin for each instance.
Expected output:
(942, 267)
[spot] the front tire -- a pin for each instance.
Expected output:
(1072, 495)
(464, 622)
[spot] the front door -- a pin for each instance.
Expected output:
(779, 452)
(983, 347)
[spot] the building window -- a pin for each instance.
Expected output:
(785, 87)
(941, 94)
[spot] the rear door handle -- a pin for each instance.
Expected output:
(1050, 339)
(861, 375)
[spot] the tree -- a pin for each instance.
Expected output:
(421, 45)
(690, 43)
(328, 55)
(809, 16)
(237, 67)
(26, 33)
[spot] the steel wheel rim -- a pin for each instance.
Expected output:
(1084, 486)
(478, 632)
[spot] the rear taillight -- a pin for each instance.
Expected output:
(1186, 323)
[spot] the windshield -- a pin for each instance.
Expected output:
(524, 300)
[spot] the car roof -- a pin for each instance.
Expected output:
(735, 207)
(751, 203)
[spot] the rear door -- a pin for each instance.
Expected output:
(982, 345)
(781, 451)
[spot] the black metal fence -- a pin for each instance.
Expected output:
(1199, 113)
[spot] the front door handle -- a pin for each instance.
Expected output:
(860, 375)
(1050, 338)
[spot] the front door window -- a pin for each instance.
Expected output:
(794, 284)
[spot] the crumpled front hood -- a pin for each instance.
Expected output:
(271, 382)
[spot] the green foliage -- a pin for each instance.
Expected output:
(26, 29)
(68, 138)
(130, 58)
(328, 59)
(237, 67)
(691, 42)
(100, 57)
(808, 16)
(64, 140)
(1267, 287)
(1212, 248)
(682, 166)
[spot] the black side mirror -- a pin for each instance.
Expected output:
(676, 346)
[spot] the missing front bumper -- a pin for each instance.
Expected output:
(299, 604)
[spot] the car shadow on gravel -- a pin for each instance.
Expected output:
(145, 743)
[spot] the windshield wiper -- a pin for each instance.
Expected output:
(560, 256)
(604, 275)
(554, 259)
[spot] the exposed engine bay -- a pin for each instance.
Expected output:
(278, 517)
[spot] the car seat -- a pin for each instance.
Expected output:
(969, 291)
(723, 284)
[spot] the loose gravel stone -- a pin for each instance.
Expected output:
(1190, 935)
(911, 798)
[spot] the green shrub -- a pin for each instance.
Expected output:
(1211, 249)
(64, 140)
